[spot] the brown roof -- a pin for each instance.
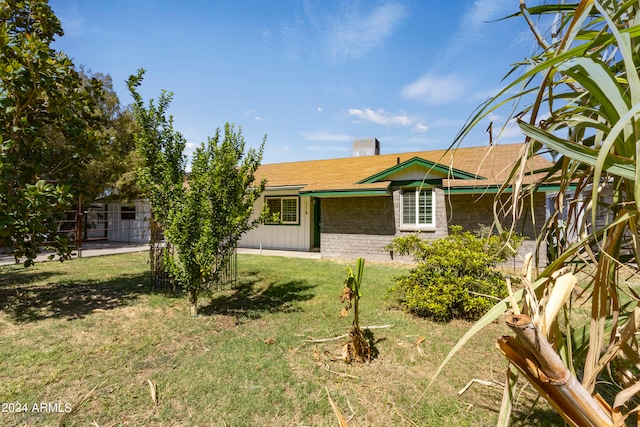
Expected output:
(343, 174)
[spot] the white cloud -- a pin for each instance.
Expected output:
(380, 117)
(326, 136)
(330, 148)
(319, 109)
(258, 118)
(474, 26)
(420, 128)
(436, 90)
(71, 20)
(355, 33)
(351, 29)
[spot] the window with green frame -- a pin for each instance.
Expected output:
(287, 207)
(417, 207)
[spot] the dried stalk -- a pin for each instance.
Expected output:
(540, 364)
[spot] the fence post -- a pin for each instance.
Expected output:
(79, 227)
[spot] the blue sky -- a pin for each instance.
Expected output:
(313, 75)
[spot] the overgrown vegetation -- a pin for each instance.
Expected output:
(246, 360)
(455, 276)
(578, 99)
(49, 129)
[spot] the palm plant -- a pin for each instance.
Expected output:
(357, 348)
(580, 98)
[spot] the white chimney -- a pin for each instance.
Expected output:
(366, 147)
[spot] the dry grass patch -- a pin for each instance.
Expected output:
(244, 361)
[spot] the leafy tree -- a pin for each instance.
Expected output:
(47, 126)
(581, 98)
(112, 172)
(204, 216)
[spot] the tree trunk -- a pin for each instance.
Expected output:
(193, 300)
(543, 368)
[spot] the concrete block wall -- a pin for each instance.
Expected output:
(357, 227)
(353, 227)
(471, 210)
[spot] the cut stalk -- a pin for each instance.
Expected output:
(540, 364)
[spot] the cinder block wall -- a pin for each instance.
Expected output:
(357, 227)
(361, 227)
(470, 210)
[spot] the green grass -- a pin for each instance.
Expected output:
(244, 361)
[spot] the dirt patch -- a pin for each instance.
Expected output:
(225, 322)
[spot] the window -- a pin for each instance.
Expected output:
(417, 208)
(287, 207)
(127, 212)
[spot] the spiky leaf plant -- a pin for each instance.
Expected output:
(581, 98)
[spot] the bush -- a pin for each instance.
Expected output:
(454, 276)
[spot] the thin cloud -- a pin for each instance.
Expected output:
(380, 117)
(356, 33)
(351, 31)
(474, 25)
(326, 136)
(330, 148)
(436, 90)
(420, 128)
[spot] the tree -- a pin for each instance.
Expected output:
(581, 93)
(47, 127)
(204, 213)
(112, 172)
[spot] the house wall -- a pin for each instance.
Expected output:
(357, 227)
(470, 211)
(362, 227)
(290, 237)
(129, 230)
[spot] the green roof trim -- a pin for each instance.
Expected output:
(417, 161)
(345, 193)
(418, 183)
(493, 189)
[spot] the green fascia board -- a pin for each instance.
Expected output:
(345, 193)
(417, 161)
(427, 183)
(494, 189)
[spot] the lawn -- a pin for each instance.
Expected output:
(91, 329)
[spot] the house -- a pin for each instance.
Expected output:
(354, 206)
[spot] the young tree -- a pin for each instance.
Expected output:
(581, 97)
(47, 126)
(204, 216)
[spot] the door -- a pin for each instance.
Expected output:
(316, 222)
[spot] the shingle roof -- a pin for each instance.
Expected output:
(343, 174)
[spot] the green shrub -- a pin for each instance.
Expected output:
(455, 276)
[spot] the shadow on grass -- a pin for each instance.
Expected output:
(537, 417)
(251, 298)
(25, 302)
(368, 335)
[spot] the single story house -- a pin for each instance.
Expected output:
(354, 206)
